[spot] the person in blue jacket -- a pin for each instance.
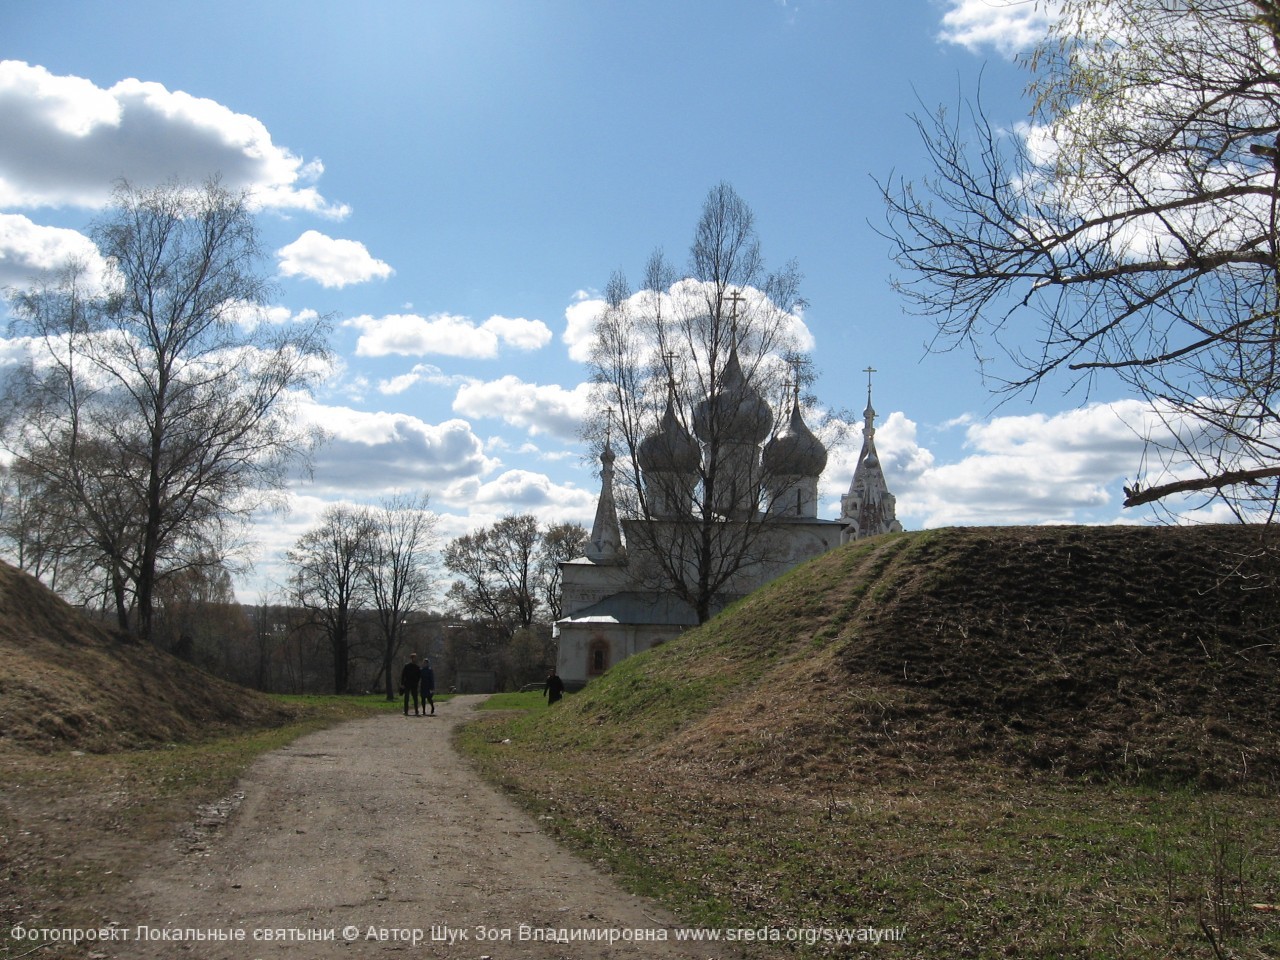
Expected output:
(427, 682)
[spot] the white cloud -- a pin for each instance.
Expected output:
(580, 325)
(421, 373)
(398, 384)
(251, 316)
(29, 251)
(470, 504)
(371, 453)
(1068, 467)
(518, 332)
(538, 408)
(520, 491)
(410, 335)
(517, 487)
(14, 351)
(1037, 468)
(685, 298)
(67, 141)
(330, 262)
(1008, 26)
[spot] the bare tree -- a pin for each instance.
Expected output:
(62, 422)
(685, 371)
(159, 413)
(329, 579)
(399, 584)
(495, 569)
(198, 619)
(561, 542)
(1129, 231)
(37, 541)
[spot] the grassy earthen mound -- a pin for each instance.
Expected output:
(1138, 653)
(68, 682)
(996, 740)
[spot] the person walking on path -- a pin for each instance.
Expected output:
(409, 679)
(428, 686)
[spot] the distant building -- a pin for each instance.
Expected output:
(868, 508)
(611, 606)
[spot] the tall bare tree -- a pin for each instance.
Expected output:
(329, 579)
(1130, 230)
(508, 585)
(561, 542)
(397, 571)
(686, 371)
(159, 413)
(495, 567)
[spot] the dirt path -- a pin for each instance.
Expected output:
(331, 839)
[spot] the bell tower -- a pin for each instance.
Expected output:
(868, 508)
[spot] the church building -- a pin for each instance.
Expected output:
(613, 605)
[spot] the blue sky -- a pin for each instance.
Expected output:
(455, 181)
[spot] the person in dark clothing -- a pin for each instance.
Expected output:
(428, 686)
(553, 689)
(409, 678)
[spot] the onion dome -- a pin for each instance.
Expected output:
(737, 413)
(795, 451)
(671, 448)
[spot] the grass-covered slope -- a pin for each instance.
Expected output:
(68, 682)
(1149, 653)
(995, 739)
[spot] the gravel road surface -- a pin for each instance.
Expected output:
(375, 839)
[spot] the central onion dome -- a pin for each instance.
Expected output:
(795, 451)
(670, 449)
(737, 413)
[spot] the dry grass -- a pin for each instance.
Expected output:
(109, 751)
(70, 683)
(1038, 742)
(1032, 742)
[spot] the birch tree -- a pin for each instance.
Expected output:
(403, 534)
(159, 412)
(1127, 233)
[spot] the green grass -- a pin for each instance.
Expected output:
(529, 700)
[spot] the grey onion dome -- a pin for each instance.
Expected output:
(671, 448)
(795, 451)
(737, 413)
